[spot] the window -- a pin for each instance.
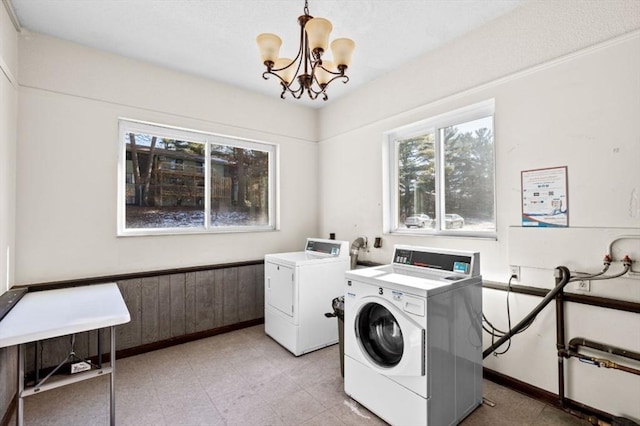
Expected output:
(442, 173)
(180, 181)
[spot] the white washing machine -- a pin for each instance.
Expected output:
(413, 338)
(299, 288)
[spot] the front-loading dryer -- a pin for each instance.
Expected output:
(413, 342)
(299, 289)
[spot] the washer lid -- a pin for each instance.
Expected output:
(298, 258)
(417, 282)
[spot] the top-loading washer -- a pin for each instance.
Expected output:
(413, 341)
(299, 288)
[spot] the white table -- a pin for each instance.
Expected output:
(45, 314)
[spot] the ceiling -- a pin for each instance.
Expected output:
(215, 39)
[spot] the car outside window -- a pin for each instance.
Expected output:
(182, 181)
(443, 169)
(418, 221)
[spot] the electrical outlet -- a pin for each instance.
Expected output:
(584, 285)
(515, 272)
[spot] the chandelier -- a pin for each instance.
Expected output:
(308, 71)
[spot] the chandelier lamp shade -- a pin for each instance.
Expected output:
(309, 72)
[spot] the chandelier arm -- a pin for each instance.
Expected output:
(285, 87)
(338, 73)
(344, 77)
(295, 93)
(313, 94)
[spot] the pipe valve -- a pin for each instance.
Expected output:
(601, 362)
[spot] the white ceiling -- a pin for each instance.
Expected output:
(216, 38)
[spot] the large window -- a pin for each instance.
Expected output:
(442, 173)
(180, 181)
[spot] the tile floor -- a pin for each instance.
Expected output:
(244, 378)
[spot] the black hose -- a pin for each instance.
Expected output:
(566, 276)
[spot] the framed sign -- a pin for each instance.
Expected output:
(545, 201)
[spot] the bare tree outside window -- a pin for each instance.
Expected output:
(168, 182)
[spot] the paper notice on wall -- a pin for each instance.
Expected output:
(545, 198)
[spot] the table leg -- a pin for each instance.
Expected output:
(37, 362)
(112, 385)
(20, 412)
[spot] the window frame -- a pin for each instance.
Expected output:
(126, 125)
(433, 125)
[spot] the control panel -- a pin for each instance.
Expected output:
(458, 262)
(329, 247)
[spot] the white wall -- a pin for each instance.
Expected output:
(8, 123)
(70, 100)
(575, 103)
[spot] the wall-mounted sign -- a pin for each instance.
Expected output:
(545, 201)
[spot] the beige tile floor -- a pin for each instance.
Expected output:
(244, 378)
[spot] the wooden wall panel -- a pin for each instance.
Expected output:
(204, 300)
(190, 302)
(177, 283)
(130, 335)
(230, 296)
(218, 298)
(8, 376)
(246, 293)
(164, 307)
(149, 310)
(259, 283)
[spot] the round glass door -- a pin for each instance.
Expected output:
(380, 335)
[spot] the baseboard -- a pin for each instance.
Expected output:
(570, 406)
